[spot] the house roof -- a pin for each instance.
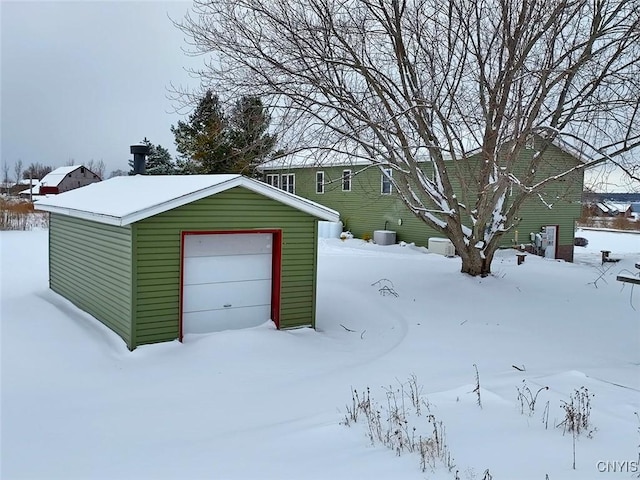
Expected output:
(32, 192)
(613, 207)
(125, 200)
(313, 159)
(27, 181)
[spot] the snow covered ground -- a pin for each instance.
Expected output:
(267, 404)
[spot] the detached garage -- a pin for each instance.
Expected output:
(158, 257)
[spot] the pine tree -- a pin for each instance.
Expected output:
(213, 142)
(159, 161)
(250, 141)
(203, 141)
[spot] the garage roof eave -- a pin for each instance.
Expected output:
(205, 187)
(72, 212)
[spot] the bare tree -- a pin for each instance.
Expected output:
(37, 170)
(17, 169)
(96, 167)
(5, 176)
(420, 86)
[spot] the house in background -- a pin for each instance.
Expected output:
(602, 204)
(23, 185)
(607, 208)
(61, 180)
(156, 257)
(366, 200)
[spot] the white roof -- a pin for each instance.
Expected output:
(313, 159)
(125, 200)
(53, 178)
(321, 158)
(27, 181)
(613, 207)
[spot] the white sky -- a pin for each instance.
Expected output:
(85, 80)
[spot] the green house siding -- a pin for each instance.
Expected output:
(364, 208)
(90, 264)
(156, 256)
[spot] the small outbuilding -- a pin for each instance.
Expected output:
(63, 179)
(158, 257)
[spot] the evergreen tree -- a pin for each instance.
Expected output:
(203, 141)
(118, 173)
(250, 142)
(159, 161)
(213, 142)
(185, 166)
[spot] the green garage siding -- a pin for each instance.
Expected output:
(128, 277)
(157, 257)
(90, 264)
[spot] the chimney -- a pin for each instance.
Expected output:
(140, 153)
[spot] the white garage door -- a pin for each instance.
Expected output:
(226, 281)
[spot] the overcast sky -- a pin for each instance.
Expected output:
(85, 80)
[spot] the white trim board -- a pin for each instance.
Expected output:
(122, 201)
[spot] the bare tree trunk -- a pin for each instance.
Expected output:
(475, 262)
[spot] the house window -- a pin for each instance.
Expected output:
(319, 182)
(288, 183)
(272, 179)
(386, 181)
(82, 170)
(346, 180)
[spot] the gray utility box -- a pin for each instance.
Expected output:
(384, 237)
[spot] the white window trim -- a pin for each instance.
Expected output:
(291, 182)
(348, 177)
(386, 173)
(270, 177)
(319, 182)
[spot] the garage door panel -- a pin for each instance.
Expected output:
(201, 322)
(227, 244)
(227, 281)
(217, 295)
(199, 270)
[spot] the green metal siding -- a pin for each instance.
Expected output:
(365, 209)
(156, 243)
(90, 264)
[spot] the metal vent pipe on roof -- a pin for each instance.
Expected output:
(140, 153)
